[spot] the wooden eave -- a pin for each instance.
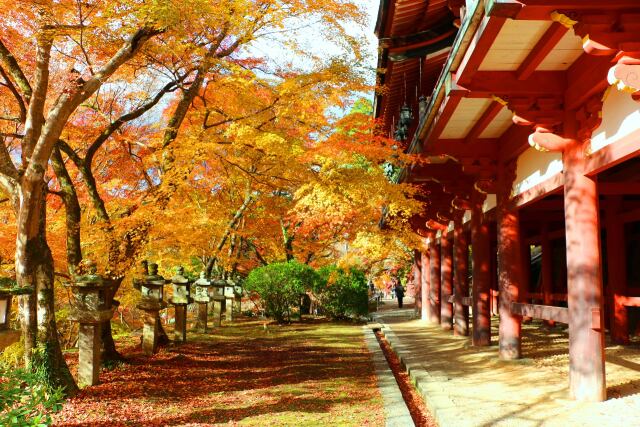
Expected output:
(467, 118)
(410, 32)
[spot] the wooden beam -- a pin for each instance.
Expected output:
(550, 186)
(487, 117)
(464, 300)
(544, 312)
(618, 188)
(545, 45)
(630, 301)
(459, 148)
(487, 84)
(446, 111)
(482, 41)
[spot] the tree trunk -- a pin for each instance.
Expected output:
(109, 351)
(72, 210)
(34, 268)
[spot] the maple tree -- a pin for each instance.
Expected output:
(78, 79)
(120, 117)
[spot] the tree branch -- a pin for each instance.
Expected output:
(9, 62)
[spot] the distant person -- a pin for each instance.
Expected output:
(400, 294)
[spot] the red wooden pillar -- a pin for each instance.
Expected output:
(424, 288)
(509, 267)
(434, 290)
(417, 280)
(481, 251)
(584, 280)
(446, 267)
(547, 269)
(616, 272)
(460, 277)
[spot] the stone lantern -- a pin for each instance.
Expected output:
(237, 300)
(151, 302)
(9, 289)
(203, 296)
(230, 295)
(91, 307)
(218, 298)
(180, 299)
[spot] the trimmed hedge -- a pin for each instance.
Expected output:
(280, 286)
(342, 293)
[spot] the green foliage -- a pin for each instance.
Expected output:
(342, 293)
(13, 355)
(25, 398)
(280, 286)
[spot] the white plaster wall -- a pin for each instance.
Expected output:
(620, 117)
(467, 217)
(489, 203)
(535, 167)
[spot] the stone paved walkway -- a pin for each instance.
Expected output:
(469, 386)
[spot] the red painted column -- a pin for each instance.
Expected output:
(481, 251)
(584, 280)
(547, 269)
(417, 280)
(424, 289)
(434, 290)
(616, 272)
(509, 267)
(460, 278)
(446, 267)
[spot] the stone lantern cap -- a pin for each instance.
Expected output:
(152, 290)
(91, 297)
(181, 289)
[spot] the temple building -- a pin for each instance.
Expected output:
(526, 114)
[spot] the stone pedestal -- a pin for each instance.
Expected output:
(89, 343)
(217, 313)
(229, 310)
(150, 332)
(201, 324)
(181, 323)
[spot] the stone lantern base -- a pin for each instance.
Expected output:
(151, 330)
(181, 323)
(217, 313)
(201, 324)
(89, 343)
(229, 310)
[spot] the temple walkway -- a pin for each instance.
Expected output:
(469, 386)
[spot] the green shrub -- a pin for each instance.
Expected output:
(280, 285)
(342, 293)
(25, 398)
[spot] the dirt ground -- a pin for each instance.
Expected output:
(472, 387)
(245, 373)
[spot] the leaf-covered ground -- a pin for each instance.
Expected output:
(303, 374)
